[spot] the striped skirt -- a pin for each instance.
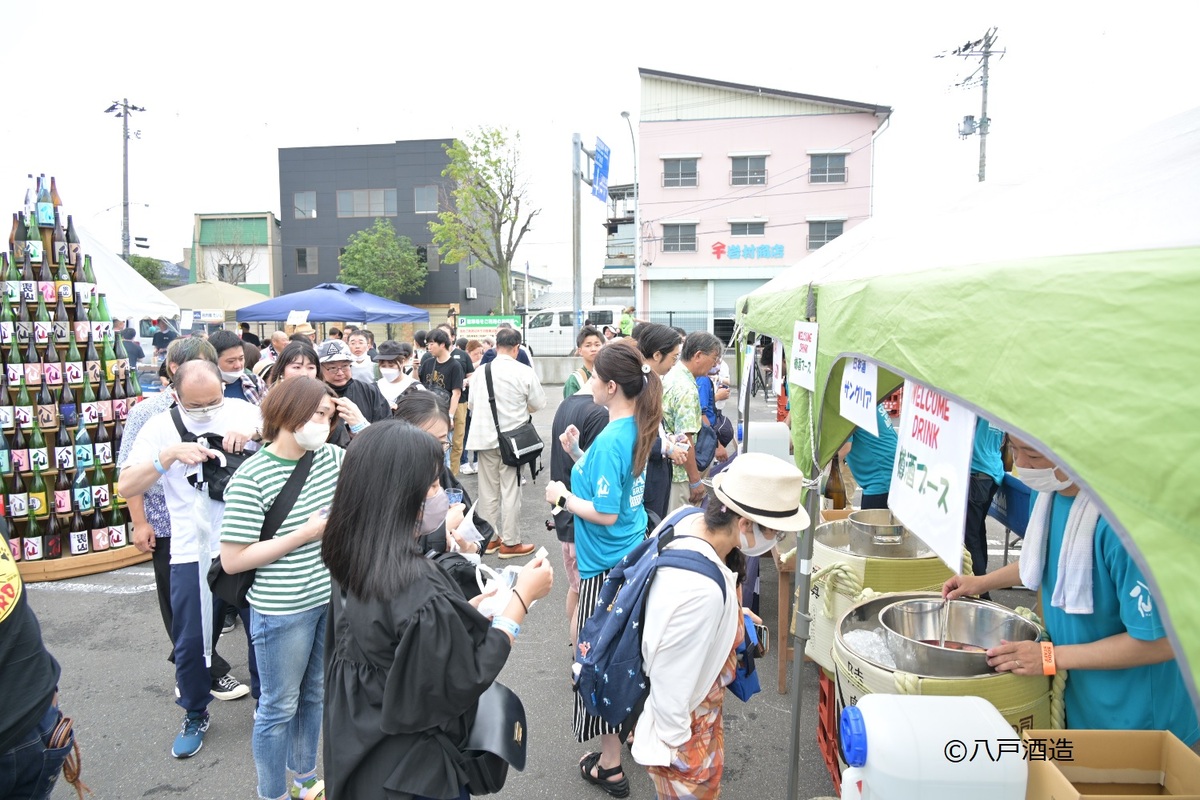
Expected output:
(585, 725)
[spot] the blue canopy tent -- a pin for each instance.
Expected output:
(333, 302)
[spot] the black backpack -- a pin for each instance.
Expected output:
(213, 474)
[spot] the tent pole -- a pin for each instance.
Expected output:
(802, 622)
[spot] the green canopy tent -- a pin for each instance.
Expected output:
(1066, 310)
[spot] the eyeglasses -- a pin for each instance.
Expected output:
(445, 445)
(335, 368)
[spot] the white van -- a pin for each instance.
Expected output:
(550, 332)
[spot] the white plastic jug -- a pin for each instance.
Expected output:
(914, 747)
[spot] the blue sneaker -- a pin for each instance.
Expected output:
(191, 736)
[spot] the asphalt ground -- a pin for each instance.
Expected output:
(106, 632)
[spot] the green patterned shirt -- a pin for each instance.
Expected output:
(681, 409)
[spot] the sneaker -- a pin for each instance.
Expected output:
(516, 551)
(231, 618)
(313, 790)
(191, 736)
(467, 469)
(229, 688)
(492, 548)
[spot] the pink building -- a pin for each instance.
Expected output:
(737, 184)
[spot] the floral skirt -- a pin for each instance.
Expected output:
(695, 773)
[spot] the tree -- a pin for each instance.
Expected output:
(484, 218)
(232, 255)
(378, 261)
(148, 268)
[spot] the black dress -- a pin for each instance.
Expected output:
(394, 671)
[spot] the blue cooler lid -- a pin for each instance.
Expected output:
(853, 732)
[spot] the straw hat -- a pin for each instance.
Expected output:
(304, 328)
(765, 489)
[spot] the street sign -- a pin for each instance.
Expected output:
(600, 171)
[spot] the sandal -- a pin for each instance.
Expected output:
(601, 778)
(312, 791)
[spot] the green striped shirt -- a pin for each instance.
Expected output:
(298, 581)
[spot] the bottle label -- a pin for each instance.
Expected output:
(48, 291)
(14, 547)
(84, 456)
(41, 332)
(103, 452)
(45, 215)
(7, 331)
(121, 409)
(72, 372)
(33, 548)
(100, 496)
(61, 251)
(24, 416)
(79, 543)
(110, 370)
(39, 458)
(61, 328)
(52, 373)
(82, 326)
(90, 413)
(64, 291)
(106, 410)
(14, 372)
(29, 292)
(33, 374)
(69, 413)
(6, 418)
(23, 330)
(65, 457)
(12, 290)
(33, 249)
(62, 501)
(83, 498)
(20, 460)
(53, 547)
(37, 503)
(116, 535)
(5, 467)
(83, 297)
(73, 249)
(18, 504)
(99, 539)
(95, 371)
(100, 330)
(47, 417)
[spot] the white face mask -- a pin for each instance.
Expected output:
(205, 414)
(312, 435)
(757, 543)
(389, 373)
(433, 512)
(1042, 480)
(230, 377)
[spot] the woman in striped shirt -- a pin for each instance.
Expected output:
(289, 599)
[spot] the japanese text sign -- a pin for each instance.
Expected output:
(859, 395)
(802, 369)
(931, 473)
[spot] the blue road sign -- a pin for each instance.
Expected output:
(600, 171)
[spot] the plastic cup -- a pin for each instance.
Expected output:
(454, 496)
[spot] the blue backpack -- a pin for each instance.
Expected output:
(609, 676)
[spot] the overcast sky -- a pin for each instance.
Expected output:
(226, 84)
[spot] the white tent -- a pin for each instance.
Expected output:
(128, 294)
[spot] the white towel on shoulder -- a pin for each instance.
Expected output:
(1073, 587)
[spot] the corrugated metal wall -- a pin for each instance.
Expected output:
(664, 100)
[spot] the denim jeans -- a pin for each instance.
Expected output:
(290, 649)
(29, 770)
(192, 676)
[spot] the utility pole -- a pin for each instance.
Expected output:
(637, 225)
(123, 109)
(981, 49)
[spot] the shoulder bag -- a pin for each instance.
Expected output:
(215, 472)
(520, 446)
(497, 739)
(233, 588)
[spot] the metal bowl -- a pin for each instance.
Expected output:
(913, 630)
(876, 533)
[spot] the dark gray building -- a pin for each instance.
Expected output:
(328, 193)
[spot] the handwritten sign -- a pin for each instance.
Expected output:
(932, 471)
(297, 317)
(185, 320)
(802, 369)
(859, 394)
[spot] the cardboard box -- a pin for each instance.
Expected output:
(1109, 765)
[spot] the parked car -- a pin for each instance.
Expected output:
(550, 332)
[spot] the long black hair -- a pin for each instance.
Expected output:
(421, 408)
(294, 351)
(654, 338)
(622, 364)
(370, 544)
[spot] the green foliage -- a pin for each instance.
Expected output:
(486, 221)
(148, 268)
(380, 262)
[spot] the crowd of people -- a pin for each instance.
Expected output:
(330, 472)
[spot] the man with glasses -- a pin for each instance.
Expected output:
(161, 456)
(359, 403)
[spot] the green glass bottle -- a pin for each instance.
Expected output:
(14, 366)
(38, 498)
(12, 281)
(8, 324)
(6, 403)
(109, 357)
(34, 542)
(85, 457)
(89, 409)
(39, 455)
(18, 496)
(64, 292)
(91, 359)
(73, 366)
(73, 249)
(101, 488)
(23, 406)
(62, 324)
(23, 324)
(52, 365)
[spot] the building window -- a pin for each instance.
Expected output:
(231, 273)
(747, 228)
(827, 168)
(679, 238)
(306, 261)
(748, 171)
(425, 199)
(366, 203)
(305, 205)
(679, 172)
(822, 233)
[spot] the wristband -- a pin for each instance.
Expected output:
(696, 485)
(507, 625)
(1048, 665)
(158, 466)
(521, 600)
(360, 427)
